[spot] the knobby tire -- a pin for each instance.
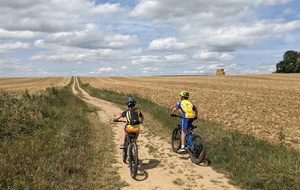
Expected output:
(176, 139)
(133, 160)
(198, 153)
(125, 150)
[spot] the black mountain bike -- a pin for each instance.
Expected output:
(195, 143)
(130, 152)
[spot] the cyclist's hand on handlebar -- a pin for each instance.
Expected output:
(172, 115)
(115, 120)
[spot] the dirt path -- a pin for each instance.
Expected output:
(160, 168)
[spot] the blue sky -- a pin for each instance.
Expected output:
(145, 37)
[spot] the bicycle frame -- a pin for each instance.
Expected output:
(129, 137)
(188, 137)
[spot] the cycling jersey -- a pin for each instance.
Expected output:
(187, 108)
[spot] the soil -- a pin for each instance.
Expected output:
(160, 167)
(265, 106)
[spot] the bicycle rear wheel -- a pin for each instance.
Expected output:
(176, 139)
(198, 153)
(133, 159)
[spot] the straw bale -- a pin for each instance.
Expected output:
(220, 72)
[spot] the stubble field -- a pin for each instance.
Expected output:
(17, 86)
(267, 106)
(264, 105)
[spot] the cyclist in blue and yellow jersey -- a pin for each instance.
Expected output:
(189, 114)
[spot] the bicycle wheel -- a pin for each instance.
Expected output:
(176, 139)
(125, 149)
(133, 159)
(198, 153)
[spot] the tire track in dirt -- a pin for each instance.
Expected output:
(160, 167)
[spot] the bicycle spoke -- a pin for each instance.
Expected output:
(176, 139)
(199, 150)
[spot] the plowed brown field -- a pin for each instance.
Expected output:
(263, 105)
(32, 84)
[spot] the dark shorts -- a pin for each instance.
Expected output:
(186, 122)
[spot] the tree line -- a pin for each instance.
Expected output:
(290, 63)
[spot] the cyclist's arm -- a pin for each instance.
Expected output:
(122, 115)
(142, 117)
(196, 111)
(176, 107)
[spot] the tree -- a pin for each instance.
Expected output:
(290, 63)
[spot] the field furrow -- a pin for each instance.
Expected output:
(264, 105)
(32, 84)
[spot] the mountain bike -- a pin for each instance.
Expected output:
(131, 152)
(194, 143)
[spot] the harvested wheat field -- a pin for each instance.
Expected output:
(266, 106)
(32, 84)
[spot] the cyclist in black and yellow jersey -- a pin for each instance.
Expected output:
(134, 118)
(189, 114)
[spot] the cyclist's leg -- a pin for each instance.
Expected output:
(123, 137)
(184, 124)
(190, 121)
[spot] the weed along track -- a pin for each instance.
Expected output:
(159, 168)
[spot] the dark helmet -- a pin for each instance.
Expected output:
(184, 94)
(130, 101)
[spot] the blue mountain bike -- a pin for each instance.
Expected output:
(194, 143)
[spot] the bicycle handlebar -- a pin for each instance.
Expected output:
(174, 115)
(122, 121)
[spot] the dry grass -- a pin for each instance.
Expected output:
(32, 84)
(264, 105)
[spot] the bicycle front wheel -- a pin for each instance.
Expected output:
(176, 139)
(125, 149)
(133, 159)
(198, 153)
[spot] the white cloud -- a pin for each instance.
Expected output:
(108, 8)
(213, 56)
(169, 43)
(176, 57)
(102, 71)
(5, 34)
(151, 37)
(16, 45)
(151, 70)
(148, 59)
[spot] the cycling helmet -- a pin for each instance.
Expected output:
(130, 101)
(184, 94)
